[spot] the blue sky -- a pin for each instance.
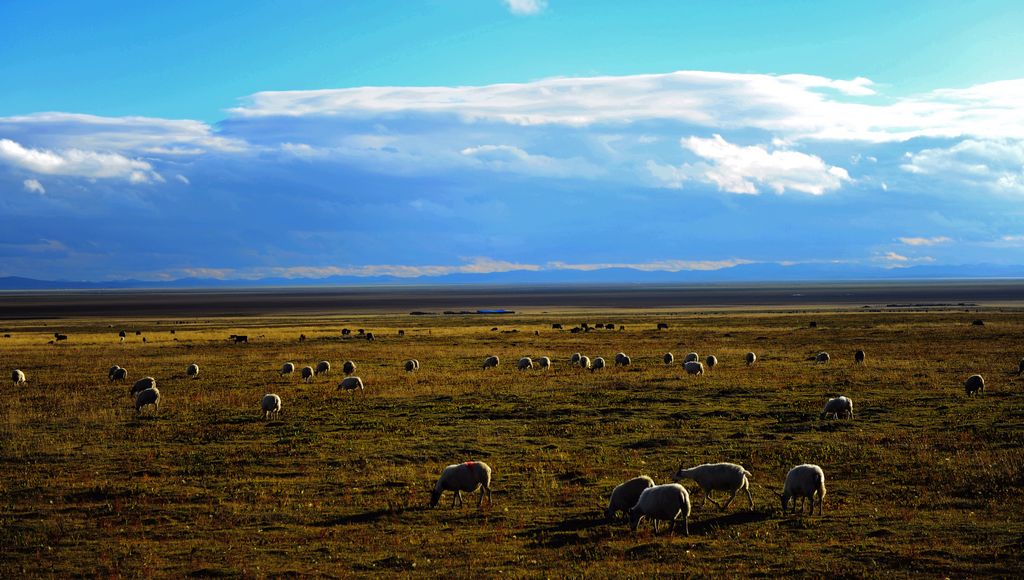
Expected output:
(308, 139)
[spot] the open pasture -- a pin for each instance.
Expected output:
(923, 481)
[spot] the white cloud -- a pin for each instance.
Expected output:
(894, 257)
(933, 241)
(76, 162)
(993, 164)
(182, 179)
(655, 266)
(134, 135)
(739, 169)
(514, 159)
(34, 186)
(794, 106)
(525, 7)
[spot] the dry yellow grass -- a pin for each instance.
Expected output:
(924, 481)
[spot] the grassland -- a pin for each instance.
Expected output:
(925, 481)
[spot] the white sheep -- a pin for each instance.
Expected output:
(838, 407)
(575, 358)
(750, 358)
(804, 481)
(668, 358)
(111, 371)
(120, 375)
(711, 361)
(626, 361)
(307, 374)
(192, 370)
(662, 502)
(584, 362)
(858, 357)
(352, 384)
(491, 362)
(625, 495)
(322, 367)
(620, 359)
(150, 396)
(463, 477)
(544, 362)
(694, 368)
(416, 362)
(348, 368)
(410, 365)
(18, 377)
(287, 368)
(141, 385)
(525, 363)
(691, 357)
(597, 364)
(718, 477)
(974, 385)
(271, 405)
(822, 357)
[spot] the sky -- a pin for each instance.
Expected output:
(308, 139)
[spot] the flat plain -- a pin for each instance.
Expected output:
(924, 481)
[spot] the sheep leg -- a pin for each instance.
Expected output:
(731, 497)
(750, 497)
(686, 524)
(655, 527)
(707, 494)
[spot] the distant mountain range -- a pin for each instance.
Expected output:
(741, 273)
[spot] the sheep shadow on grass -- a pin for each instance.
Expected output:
(709, 526)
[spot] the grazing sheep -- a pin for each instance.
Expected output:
(838, 407)
(141, 385)
(711, 361)
(662, 502)
(192, 370)
(287, 368)
(463, 477)
(751, 358)
(822, 357)
(974, 385)
(585, 362)
(575, 358)
(491, 362)
(625, 361)
(694, 368)
(691, 357)
(417, 363)
(619, 357)
(150, 396)
(668, 358)
(410, 365)
(597, 364)
(271, 405)
(241, 338)
(525, 363)
(662, 326)
(858, 357)
(804, 481)
(346, 331)
(718, 477)
(120, 375)
(18, 377)
(625, 495)
(348, 368)
(352, 384)
(544, 362)
(370, 337)
(401, 332)
(111, 371)
(121, 335)
(307, 374)
(323, 367)
(556, 326)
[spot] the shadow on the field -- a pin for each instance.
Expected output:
(362, 518)
(706, 527)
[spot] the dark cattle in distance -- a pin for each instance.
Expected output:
(345, 332)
